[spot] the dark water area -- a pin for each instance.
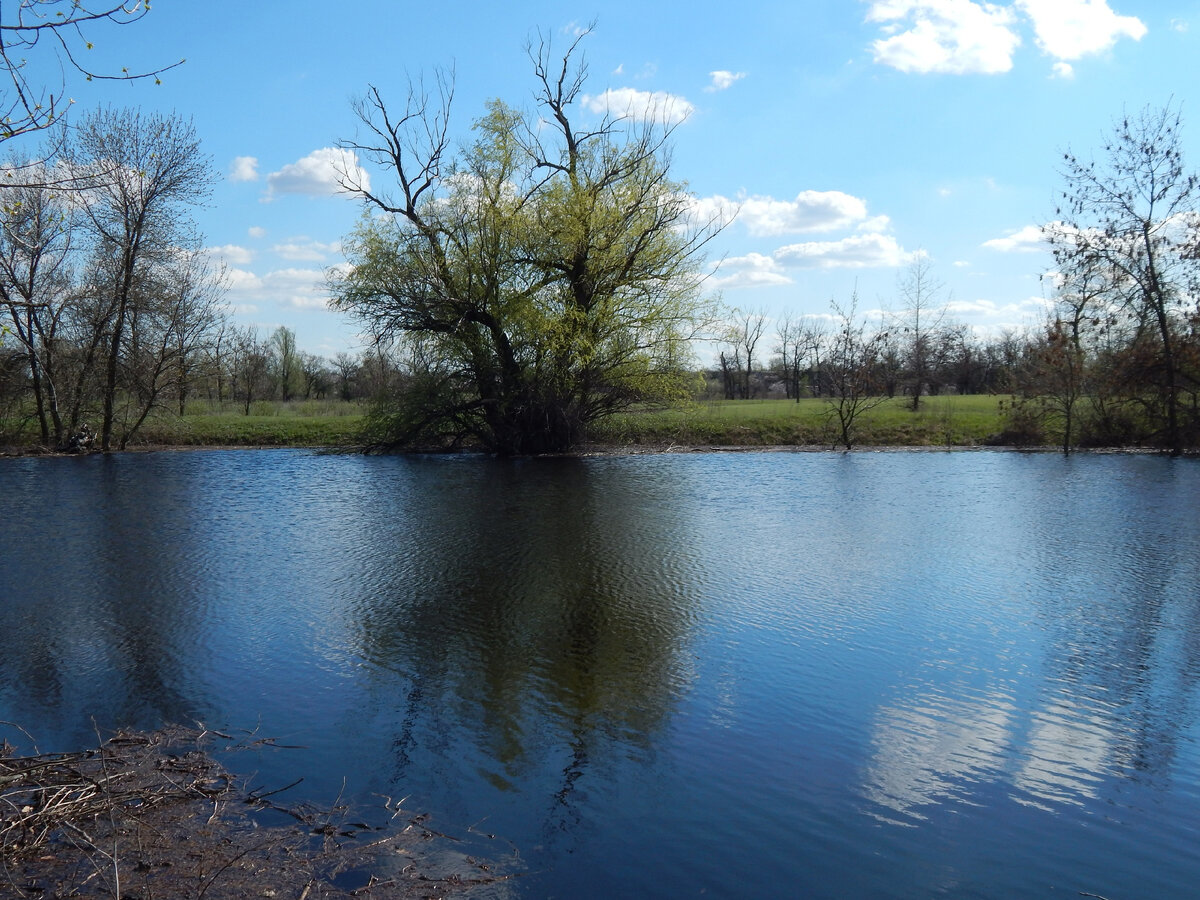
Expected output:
(901, 674)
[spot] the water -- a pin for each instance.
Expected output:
(905, 674)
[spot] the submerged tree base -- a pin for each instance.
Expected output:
(155, 815)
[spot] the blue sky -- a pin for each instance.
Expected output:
(852, 133)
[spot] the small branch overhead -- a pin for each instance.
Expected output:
(26, 106)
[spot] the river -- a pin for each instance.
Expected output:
(898, 674)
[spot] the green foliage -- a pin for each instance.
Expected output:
(538, 288)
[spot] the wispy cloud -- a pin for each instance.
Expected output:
(1072, 29)
(751, 270)
(1029, 239)
(293, 287)
(306, 250)
(856, 252)
(243, 168)
(233, 254)
(645, 106)
(722, 80)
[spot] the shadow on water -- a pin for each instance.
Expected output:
(102, 598)
(532, 615)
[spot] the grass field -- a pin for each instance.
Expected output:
(941, 421)
(307, 423)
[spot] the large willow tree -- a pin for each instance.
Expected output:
(541, 277)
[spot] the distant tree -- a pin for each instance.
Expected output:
(286, 362)
(918, 325)
(346, 368)
(743, 334)
(1136, 214)
(852, 363)
(250, 365)
(315, 374)
(800, 343)
(550, 273)
(787, 337)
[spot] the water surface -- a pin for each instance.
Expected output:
(902, 674)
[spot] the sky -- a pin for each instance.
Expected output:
(849, 134)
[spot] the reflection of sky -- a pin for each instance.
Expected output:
(936, 749)
(931, 748)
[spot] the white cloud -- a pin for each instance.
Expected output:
(305, 250)
(752, 270)
(810, 211)
(875, 224)
(1072, 29)
(233, 254)
(656, 106)
(296, 288)
(1029, 239)
(951, 36)
(998, 315)
(317, 174)
(1063, 70)
(1179, 25)
(301, 288)
(243, 168)
(256, 231)
(856, 252)
(723, 79)
(242, 281)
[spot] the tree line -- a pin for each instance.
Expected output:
(109, 307)
(1116, 361)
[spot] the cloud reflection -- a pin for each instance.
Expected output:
(932, 748)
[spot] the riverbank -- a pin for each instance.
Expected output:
(941, 422)
(149, 814)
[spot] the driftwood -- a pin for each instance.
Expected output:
(154, 815)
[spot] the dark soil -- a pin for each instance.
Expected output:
(154, 815)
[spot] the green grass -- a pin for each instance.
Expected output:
(309, 423)
(941, 421)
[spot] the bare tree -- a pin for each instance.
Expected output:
(346, 367)
(800, 345)
(193, 291)
(919, 324)
(1137, 213)
(35, 284)
(143, 172)
(852, 362)
(250, 363)
(745, 333)
(315, 373)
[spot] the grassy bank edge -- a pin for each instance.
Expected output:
(941, 422)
